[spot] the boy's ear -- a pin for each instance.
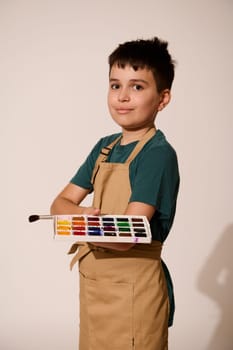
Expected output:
(165, 97)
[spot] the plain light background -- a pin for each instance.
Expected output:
(53, 85)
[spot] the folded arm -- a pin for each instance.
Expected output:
(70, 198)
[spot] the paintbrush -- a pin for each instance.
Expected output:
(33, 218)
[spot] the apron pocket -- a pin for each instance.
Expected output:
(109, 314)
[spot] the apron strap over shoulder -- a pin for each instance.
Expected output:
(106, 150)
(149, 134)
(103, 156)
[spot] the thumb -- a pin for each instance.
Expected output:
(96, 211)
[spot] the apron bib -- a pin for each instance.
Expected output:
(124, 301)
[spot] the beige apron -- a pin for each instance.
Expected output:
(123, 295)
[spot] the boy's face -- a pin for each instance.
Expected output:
(133, 99)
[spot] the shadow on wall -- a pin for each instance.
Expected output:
(216, 281)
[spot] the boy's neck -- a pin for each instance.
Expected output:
(129, 136)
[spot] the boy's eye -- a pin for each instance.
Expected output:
(115, 86)
(138, 87)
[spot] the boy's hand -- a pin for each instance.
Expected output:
(91, 211)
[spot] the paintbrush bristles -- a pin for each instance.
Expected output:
(33, 218)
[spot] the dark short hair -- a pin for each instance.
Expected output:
(151, 54)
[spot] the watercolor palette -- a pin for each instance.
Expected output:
(105, 228)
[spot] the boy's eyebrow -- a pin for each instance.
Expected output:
(131, 80)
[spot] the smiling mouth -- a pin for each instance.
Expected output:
(123, 110)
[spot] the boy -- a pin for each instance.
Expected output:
(124, 299)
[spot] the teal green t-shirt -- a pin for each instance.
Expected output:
(154, 177)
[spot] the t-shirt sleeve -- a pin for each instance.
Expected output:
(156, 180)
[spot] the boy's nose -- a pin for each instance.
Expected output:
(123, 96)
